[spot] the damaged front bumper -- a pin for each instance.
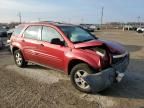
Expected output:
(107, 77)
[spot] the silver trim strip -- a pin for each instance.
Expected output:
(119, 56)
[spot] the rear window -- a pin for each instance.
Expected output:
(18, 30)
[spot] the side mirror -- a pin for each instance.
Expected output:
(57, 41)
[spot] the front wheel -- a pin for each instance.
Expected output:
(77, 73)
(19, 60)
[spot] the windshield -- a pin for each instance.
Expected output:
(77, 34)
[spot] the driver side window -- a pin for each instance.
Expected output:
(48, 34)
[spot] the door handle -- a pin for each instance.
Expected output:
(23, 40)
(42, 45)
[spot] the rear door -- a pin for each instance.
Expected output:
(30, 42)
(52, 55)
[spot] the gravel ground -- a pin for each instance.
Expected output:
(38, 87)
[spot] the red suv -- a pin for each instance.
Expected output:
(92, 64)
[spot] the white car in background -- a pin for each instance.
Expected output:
(140, 30)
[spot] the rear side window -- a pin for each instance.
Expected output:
(18, 30)
(48, 34)
(33, 32)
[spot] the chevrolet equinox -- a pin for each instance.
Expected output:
(92, 64)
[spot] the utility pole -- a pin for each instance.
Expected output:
(102, 12)
(20, 17)
(138, 18)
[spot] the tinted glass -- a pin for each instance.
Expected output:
(33, 32)
(48, 34)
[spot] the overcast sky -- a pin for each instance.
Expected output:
(75, 11)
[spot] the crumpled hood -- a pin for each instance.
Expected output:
(88, 44)
(114, 47)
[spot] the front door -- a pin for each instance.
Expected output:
(50, 54)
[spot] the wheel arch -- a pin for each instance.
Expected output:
(16, 46)
(74, 62)
(14, 49)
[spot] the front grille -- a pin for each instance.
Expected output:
(120, 64)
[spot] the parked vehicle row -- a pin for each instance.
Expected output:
(3, 36)
(137, 29)
(93, 64)
(89, 27)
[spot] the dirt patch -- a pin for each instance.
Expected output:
(18, 91)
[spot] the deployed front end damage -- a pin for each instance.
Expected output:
(107, 77)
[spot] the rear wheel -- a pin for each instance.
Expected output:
(19, 59)
(77, 73)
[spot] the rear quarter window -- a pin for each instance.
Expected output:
(17, 30)
(33, 32)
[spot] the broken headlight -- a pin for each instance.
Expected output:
(100, 51)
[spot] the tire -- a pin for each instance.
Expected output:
(19, 59)
(76, 78)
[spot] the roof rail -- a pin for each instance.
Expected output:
(53, 22)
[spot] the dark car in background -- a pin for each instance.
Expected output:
(9, 34)
(3, 36)
(3, 32)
